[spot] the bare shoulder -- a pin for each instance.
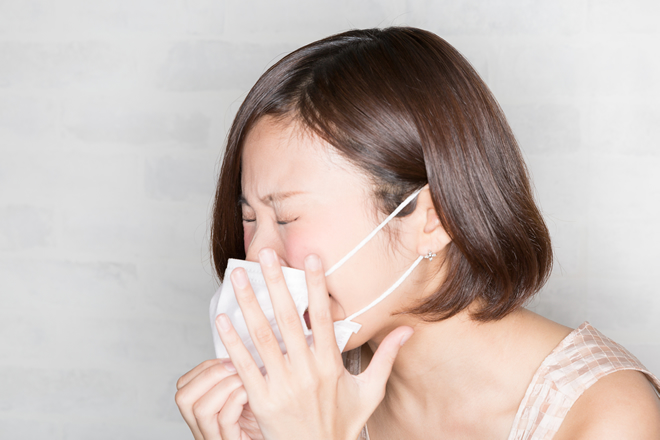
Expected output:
(621, 405)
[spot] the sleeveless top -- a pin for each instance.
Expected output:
(580, 359)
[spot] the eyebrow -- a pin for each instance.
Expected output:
(273, 198)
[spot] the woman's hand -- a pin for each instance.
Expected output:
(307, 394)
(213, 403)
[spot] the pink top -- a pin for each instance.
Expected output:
(580, 359)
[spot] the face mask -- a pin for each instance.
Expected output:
(224, 300)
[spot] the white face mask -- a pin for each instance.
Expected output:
(224, 300)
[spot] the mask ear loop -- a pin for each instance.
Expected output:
(388, 291)
(373, 233)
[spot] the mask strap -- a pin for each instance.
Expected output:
(388, 291)
(373, 233)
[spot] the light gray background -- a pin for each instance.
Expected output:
(112, 120)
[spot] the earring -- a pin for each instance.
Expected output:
(430, 256)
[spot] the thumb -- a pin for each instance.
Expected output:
(376, 375)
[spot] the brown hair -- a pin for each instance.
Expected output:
(404, 106)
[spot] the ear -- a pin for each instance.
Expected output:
(431, 236)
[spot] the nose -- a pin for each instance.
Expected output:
(265, 237)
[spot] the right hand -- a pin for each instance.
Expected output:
(213, 402)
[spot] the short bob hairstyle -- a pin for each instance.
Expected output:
(406, 108)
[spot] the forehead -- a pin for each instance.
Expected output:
(281, 156)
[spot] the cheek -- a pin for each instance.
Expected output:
(300, 245)
(297, 246)
(315, 238)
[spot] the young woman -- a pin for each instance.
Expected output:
(328, 143)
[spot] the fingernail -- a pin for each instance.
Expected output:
(229, 366)
(405, 338)
(267, 257)
(239, 278)
(313, 262)
(223, 322)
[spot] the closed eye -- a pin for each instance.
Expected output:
(279, 222)
(286, 222)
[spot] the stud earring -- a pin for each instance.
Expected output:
(430, 256)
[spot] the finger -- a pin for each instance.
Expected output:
(190, 375)
(196, 387)
(260, 329)
(188, 394)
(192, 424)
(241, 358)
(325, 344)
(231, 413)
(376, 375)
(288, 319)
(207, 408)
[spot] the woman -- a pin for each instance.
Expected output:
(328, 142)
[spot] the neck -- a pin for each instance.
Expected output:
(466, 370)
(465, 354)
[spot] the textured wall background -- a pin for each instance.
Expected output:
(112, 120)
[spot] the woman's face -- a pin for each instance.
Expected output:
(301, 197)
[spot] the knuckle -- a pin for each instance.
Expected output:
(391, 358)
(264, 335)
(181, 398)
(318, 278)
(199, 410)
(247, 297)
(290, 318)
(273, 276)
(246, 365)
(231, 339)
(322, 316)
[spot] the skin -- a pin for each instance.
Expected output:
(305, 207)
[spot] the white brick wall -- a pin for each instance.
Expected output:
(112, 119)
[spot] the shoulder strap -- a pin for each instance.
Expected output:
(582, 358)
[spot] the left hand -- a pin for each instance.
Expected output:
(307, 394)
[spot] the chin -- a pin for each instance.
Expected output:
(353, 345)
